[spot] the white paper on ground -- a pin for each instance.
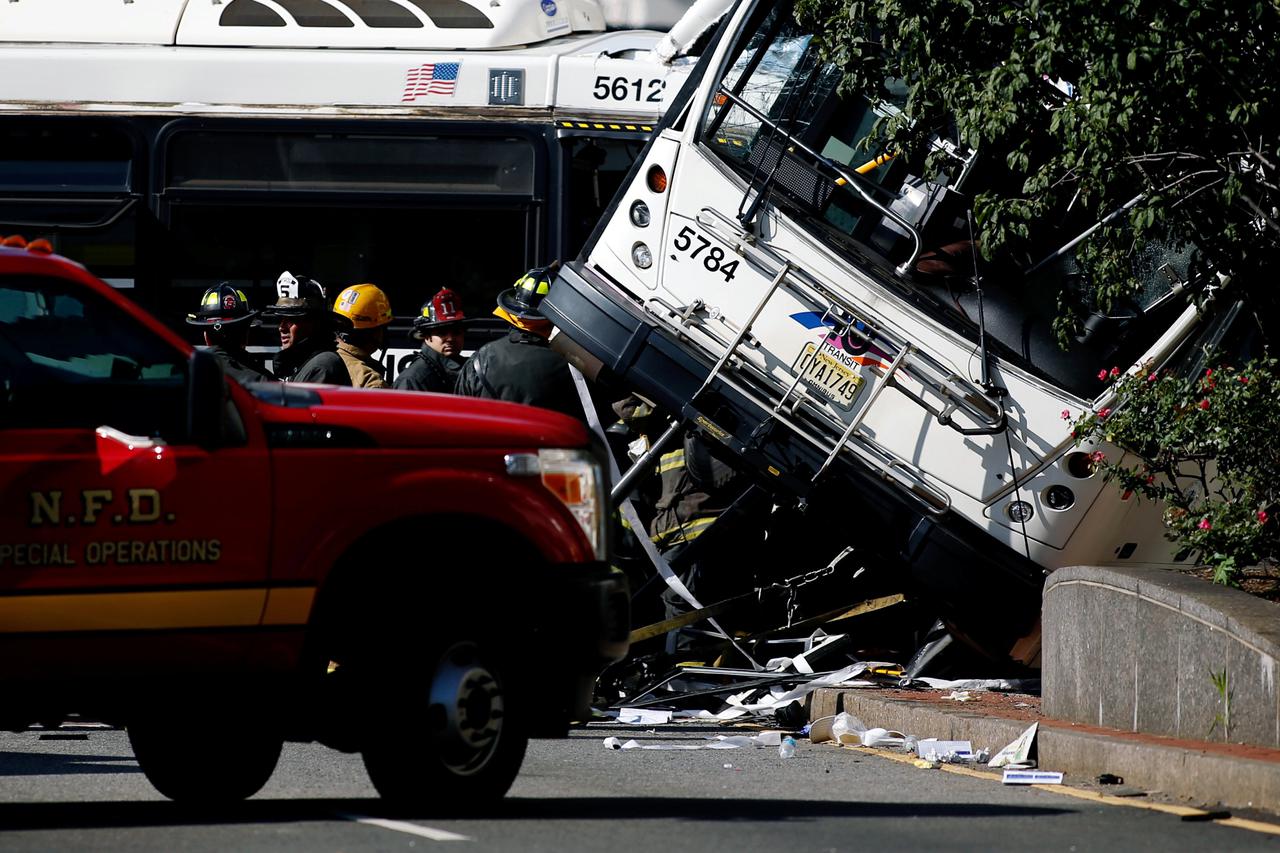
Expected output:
(936, 750)
(643, 716)
(1003, 684)
(1017, 752)
(1031, 777)
(718, 742)
(881, 737)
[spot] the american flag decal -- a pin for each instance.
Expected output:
(434, 78)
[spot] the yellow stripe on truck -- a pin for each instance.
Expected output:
(289, 606)
(154, 610)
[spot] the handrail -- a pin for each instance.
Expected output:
(958, 392)
(852, 179)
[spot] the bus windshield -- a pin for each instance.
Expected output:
(780, 121)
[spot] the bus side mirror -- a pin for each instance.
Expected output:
(206, 394)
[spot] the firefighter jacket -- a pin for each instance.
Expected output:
(696, 489)
(312, 360)
(240, 365)
(521, 368)
(365, 372)
(430, 371)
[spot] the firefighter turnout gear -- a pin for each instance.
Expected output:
(223, 318)
(364, 306)
(366, 313)
(308, 349)
(364, 370)
(430, 371)
(522, 367)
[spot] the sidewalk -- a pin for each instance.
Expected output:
(1235, 775)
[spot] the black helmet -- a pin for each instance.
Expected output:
(522, 301)
(298, 296)
(220, 306)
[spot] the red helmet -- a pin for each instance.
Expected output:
(443, 309)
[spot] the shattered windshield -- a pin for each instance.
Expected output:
(779, 119)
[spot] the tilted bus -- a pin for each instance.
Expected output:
(760, 276)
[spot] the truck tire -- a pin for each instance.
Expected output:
(210, 763)
(458, 738)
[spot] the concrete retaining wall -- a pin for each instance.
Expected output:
(1137, 649)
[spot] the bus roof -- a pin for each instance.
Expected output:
(407, 24)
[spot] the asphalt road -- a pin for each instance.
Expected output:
(88, 794)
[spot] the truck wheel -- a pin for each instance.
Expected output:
(211, 763)
(459, 742)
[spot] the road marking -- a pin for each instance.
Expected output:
(408, 828)
(1085, 794)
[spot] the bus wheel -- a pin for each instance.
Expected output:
(214, 762)
(459, 742)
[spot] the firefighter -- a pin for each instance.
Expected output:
(440, 328)
(307, 346)
(367, 313)
(697, 489)
(522, 367)
(223, 318)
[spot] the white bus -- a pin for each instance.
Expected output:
(761, 277)
(172, 144)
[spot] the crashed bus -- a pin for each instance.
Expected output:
(173, 145)
(795, 300)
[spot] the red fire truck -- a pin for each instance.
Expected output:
(222, 568)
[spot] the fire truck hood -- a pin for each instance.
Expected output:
(413, 419)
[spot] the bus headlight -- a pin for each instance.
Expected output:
(640, 214)
(641, 256)
(577, 480)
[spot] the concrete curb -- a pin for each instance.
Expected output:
(1200, 775)
(1138, 649)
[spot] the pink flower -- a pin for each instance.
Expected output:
(1115, 371)
(1262, 516)
(1104, 413)
(1066, 414)
(1204, 404)
(1151, 377)
(1102, 375)
(1097, 456)
(1204, 524)
(1244, 380)
(1208, 373)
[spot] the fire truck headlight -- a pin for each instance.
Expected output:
(640, 214)
(577, 480)
(1020, 511)
(641, 256)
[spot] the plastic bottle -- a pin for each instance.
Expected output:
(788, 747)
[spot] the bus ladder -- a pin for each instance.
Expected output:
(951, 394)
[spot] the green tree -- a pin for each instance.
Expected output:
(1089, 105)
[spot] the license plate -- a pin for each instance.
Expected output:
(823, 369)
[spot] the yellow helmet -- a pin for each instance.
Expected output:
(365, 305)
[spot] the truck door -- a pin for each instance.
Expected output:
(112, 518)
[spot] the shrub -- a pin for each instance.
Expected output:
(1208, 448)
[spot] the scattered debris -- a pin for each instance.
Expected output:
(1017, 754)
(1016, 776)
(1221, 814)
(945, 750)
(960, 696)
(926, 764)
(1110, 779)
(717, 742)
(787, 749)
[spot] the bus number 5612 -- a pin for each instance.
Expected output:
(621, 89)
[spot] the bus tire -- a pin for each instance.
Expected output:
(218, 762)
(459, 738)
